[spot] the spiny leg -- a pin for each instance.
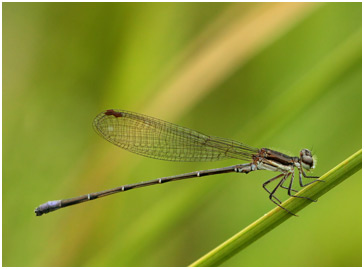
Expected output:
(275, 189)
(269, 181)
(287, 188)
(290, 189)
(306, 176)
(300, 178)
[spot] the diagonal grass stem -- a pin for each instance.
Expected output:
(276, 216)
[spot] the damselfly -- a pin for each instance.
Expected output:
(155, 138)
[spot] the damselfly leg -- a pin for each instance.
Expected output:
(302, 172)
(276, 188)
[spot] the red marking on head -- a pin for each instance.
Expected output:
(111, 112)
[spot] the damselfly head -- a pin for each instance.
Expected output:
(307, 160)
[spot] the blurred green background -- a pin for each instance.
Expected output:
(281, 75)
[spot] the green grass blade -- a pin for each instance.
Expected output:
(276, 216)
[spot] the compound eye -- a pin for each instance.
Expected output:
(306, 158)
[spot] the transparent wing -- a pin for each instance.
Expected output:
(162, 140)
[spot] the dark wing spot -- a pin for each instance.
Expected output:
(111, 112)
